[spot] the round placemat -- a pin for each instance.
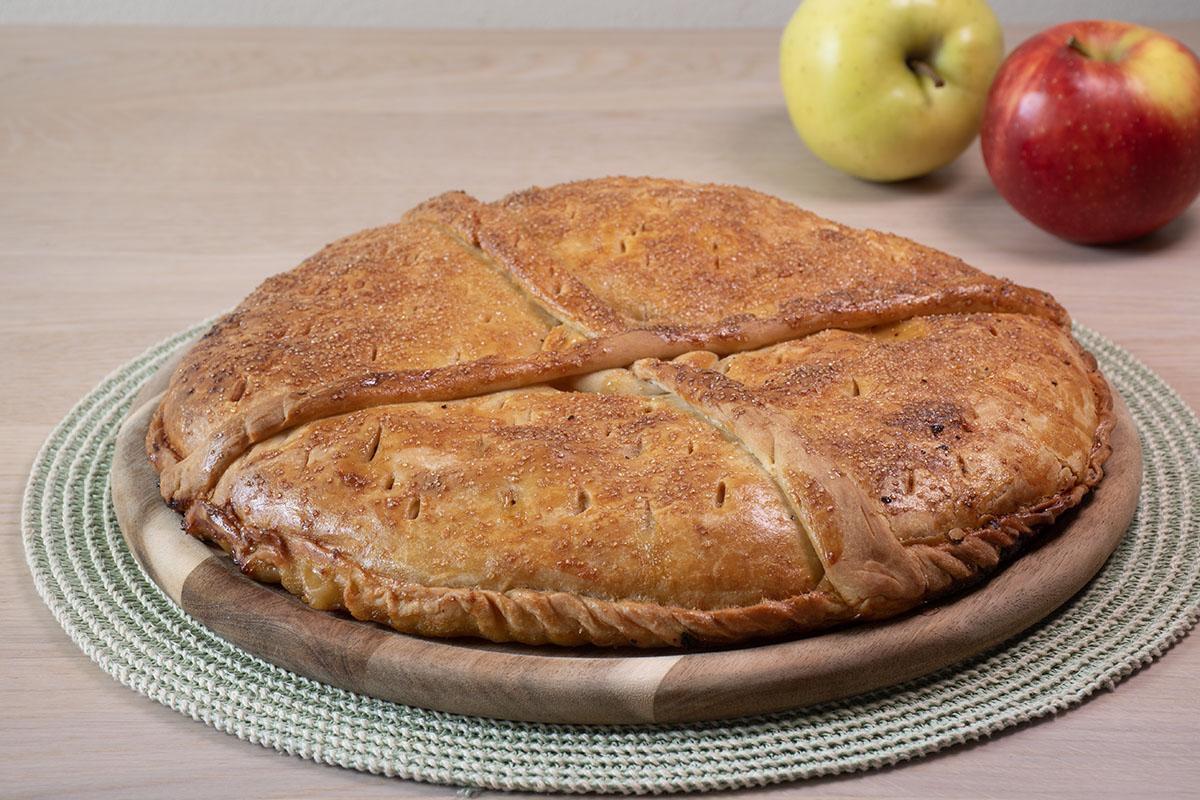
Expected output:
(1141, 602)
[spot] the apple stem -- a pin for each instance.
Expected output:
(1077, 46)
(923, 68)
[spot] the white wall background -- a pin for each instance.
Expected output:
(523, 13)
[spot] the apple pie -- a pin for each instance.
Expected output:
(629, 411)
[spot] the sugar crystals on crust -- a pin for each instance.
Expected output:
(629, 411)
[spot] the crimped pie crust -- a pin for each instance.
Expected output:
(629, 411)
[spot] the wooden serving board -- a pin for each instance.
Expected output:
(594, 685)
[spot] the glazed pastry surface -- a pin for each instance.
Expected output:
(629, 411)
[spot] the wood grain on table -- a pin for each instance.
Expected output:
(151, 177)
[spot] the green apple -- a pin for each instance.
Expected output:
(889, 89)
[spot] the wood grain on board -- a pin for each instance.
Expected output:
(595, 685)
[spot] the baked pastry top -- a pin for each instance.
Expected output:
(629, 411)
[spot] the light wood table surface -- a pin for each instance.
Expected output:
(150, 178)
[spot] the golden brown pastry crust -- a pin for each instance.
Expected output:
(629, 411)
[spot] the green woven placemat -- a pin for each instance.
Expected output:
(1145, 599)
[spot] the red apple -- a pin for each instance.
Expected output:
(1092, 130)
